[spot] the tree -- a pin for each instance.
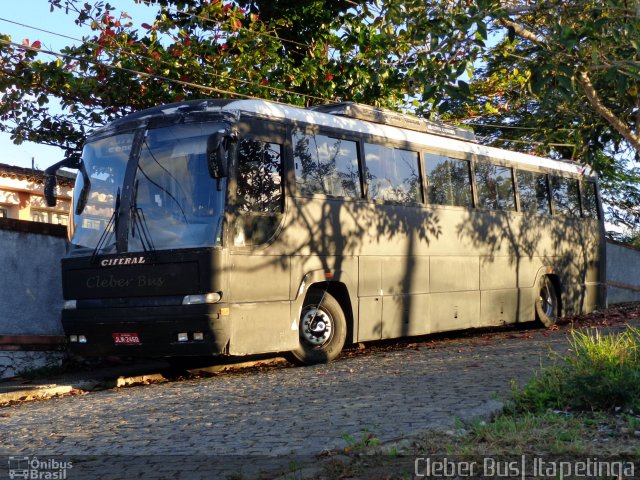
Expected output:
(308, 52)
(563, 74)
(563, 81)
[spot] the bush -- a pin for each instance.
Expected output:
(601, 372)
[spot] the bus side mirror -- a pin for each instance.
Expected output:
(50, 184)
(50, 181)
(217, 153)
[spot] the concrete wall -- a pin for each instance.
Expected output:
(31, 335)
(623, 273)
(30, 284)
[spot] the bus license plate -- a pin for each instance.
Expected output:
(126, 338)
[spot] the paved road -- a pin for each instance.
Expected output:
(293, 412)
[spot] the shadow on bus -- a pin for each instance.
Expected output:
(563, 247)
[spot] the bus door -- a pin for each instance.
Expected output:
(259, 270)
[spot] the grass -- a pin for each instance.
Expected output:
(367, 439)
(600, 373)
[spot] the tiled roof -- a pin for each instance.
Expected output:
(31, 175)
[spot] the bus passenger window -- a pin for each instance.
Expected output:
(566, 196)
(259, 197)
(589, 199)
(326, 165)
(534, 192)
(392, 174)
(495, 187)
(448, 180)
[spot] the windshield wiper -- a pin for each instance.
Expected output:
(139, 224)
(109, 229)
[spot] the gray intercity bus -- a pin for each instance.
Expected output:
(243, 226)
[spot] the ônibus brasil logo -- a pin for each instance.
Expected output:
(37, 469)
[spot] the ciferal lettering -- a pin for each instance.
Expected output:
(109, 262)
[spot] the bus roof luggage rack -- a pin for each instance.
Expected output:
(387, 117)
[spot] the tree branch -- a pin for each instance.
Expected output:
(605, 112)
(522, 31)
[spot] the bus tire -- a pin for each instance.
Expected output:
(323, 330)
(547, 304)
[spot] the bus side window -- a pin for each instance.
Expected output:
(259, 195)
(326, 165)
(392, 174)
(566, 196)
(534, 192)
(589, 199)
(495, 187)
(448, 180)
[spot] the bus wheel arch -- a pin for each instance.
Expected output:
(323, 325)
(548, 301)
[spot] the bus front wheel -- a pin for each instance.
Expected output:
(323, 329)
(547, 305)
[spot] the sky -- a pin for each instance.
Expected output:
(36, 13)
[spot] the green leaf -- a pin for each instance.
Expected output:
(481, 29)
(464, 88)
(565, 82)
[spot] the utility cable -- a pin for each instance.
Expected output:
(141, 56)
(168, 79)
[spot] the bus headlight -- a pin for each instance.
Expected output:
(201, 298)
(70, 305)
(183, 337)
(199, 336)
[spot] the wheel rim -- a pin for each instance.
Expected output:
(547, 299)
(316, 326)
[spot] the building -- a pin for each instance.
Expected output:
(22, 195)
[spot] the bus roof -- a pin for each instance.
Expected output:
(442, 140)
(281, 111)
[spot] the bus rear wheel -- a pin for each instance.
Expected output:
(323, 329)
(547, 305)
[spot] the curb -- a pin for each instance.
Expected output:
(11, 392)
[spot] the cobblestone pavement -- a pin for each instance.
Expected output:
(292, 412)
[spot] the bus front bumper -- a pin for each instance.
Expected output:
(196, 330)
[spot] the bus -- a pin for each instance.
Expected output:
(237, 227)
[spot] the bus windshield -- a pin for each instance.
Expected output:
(175, 203)
(105, 161)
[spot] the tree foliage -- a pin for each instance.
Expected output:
(558, 78)
(303, 53)
(562, 80)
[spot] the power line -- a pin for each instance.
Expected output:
(204, 87)
(141, 56)
(514, 127)
(123, 69)
(40, 29)
(528, 142)
(217, 90)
